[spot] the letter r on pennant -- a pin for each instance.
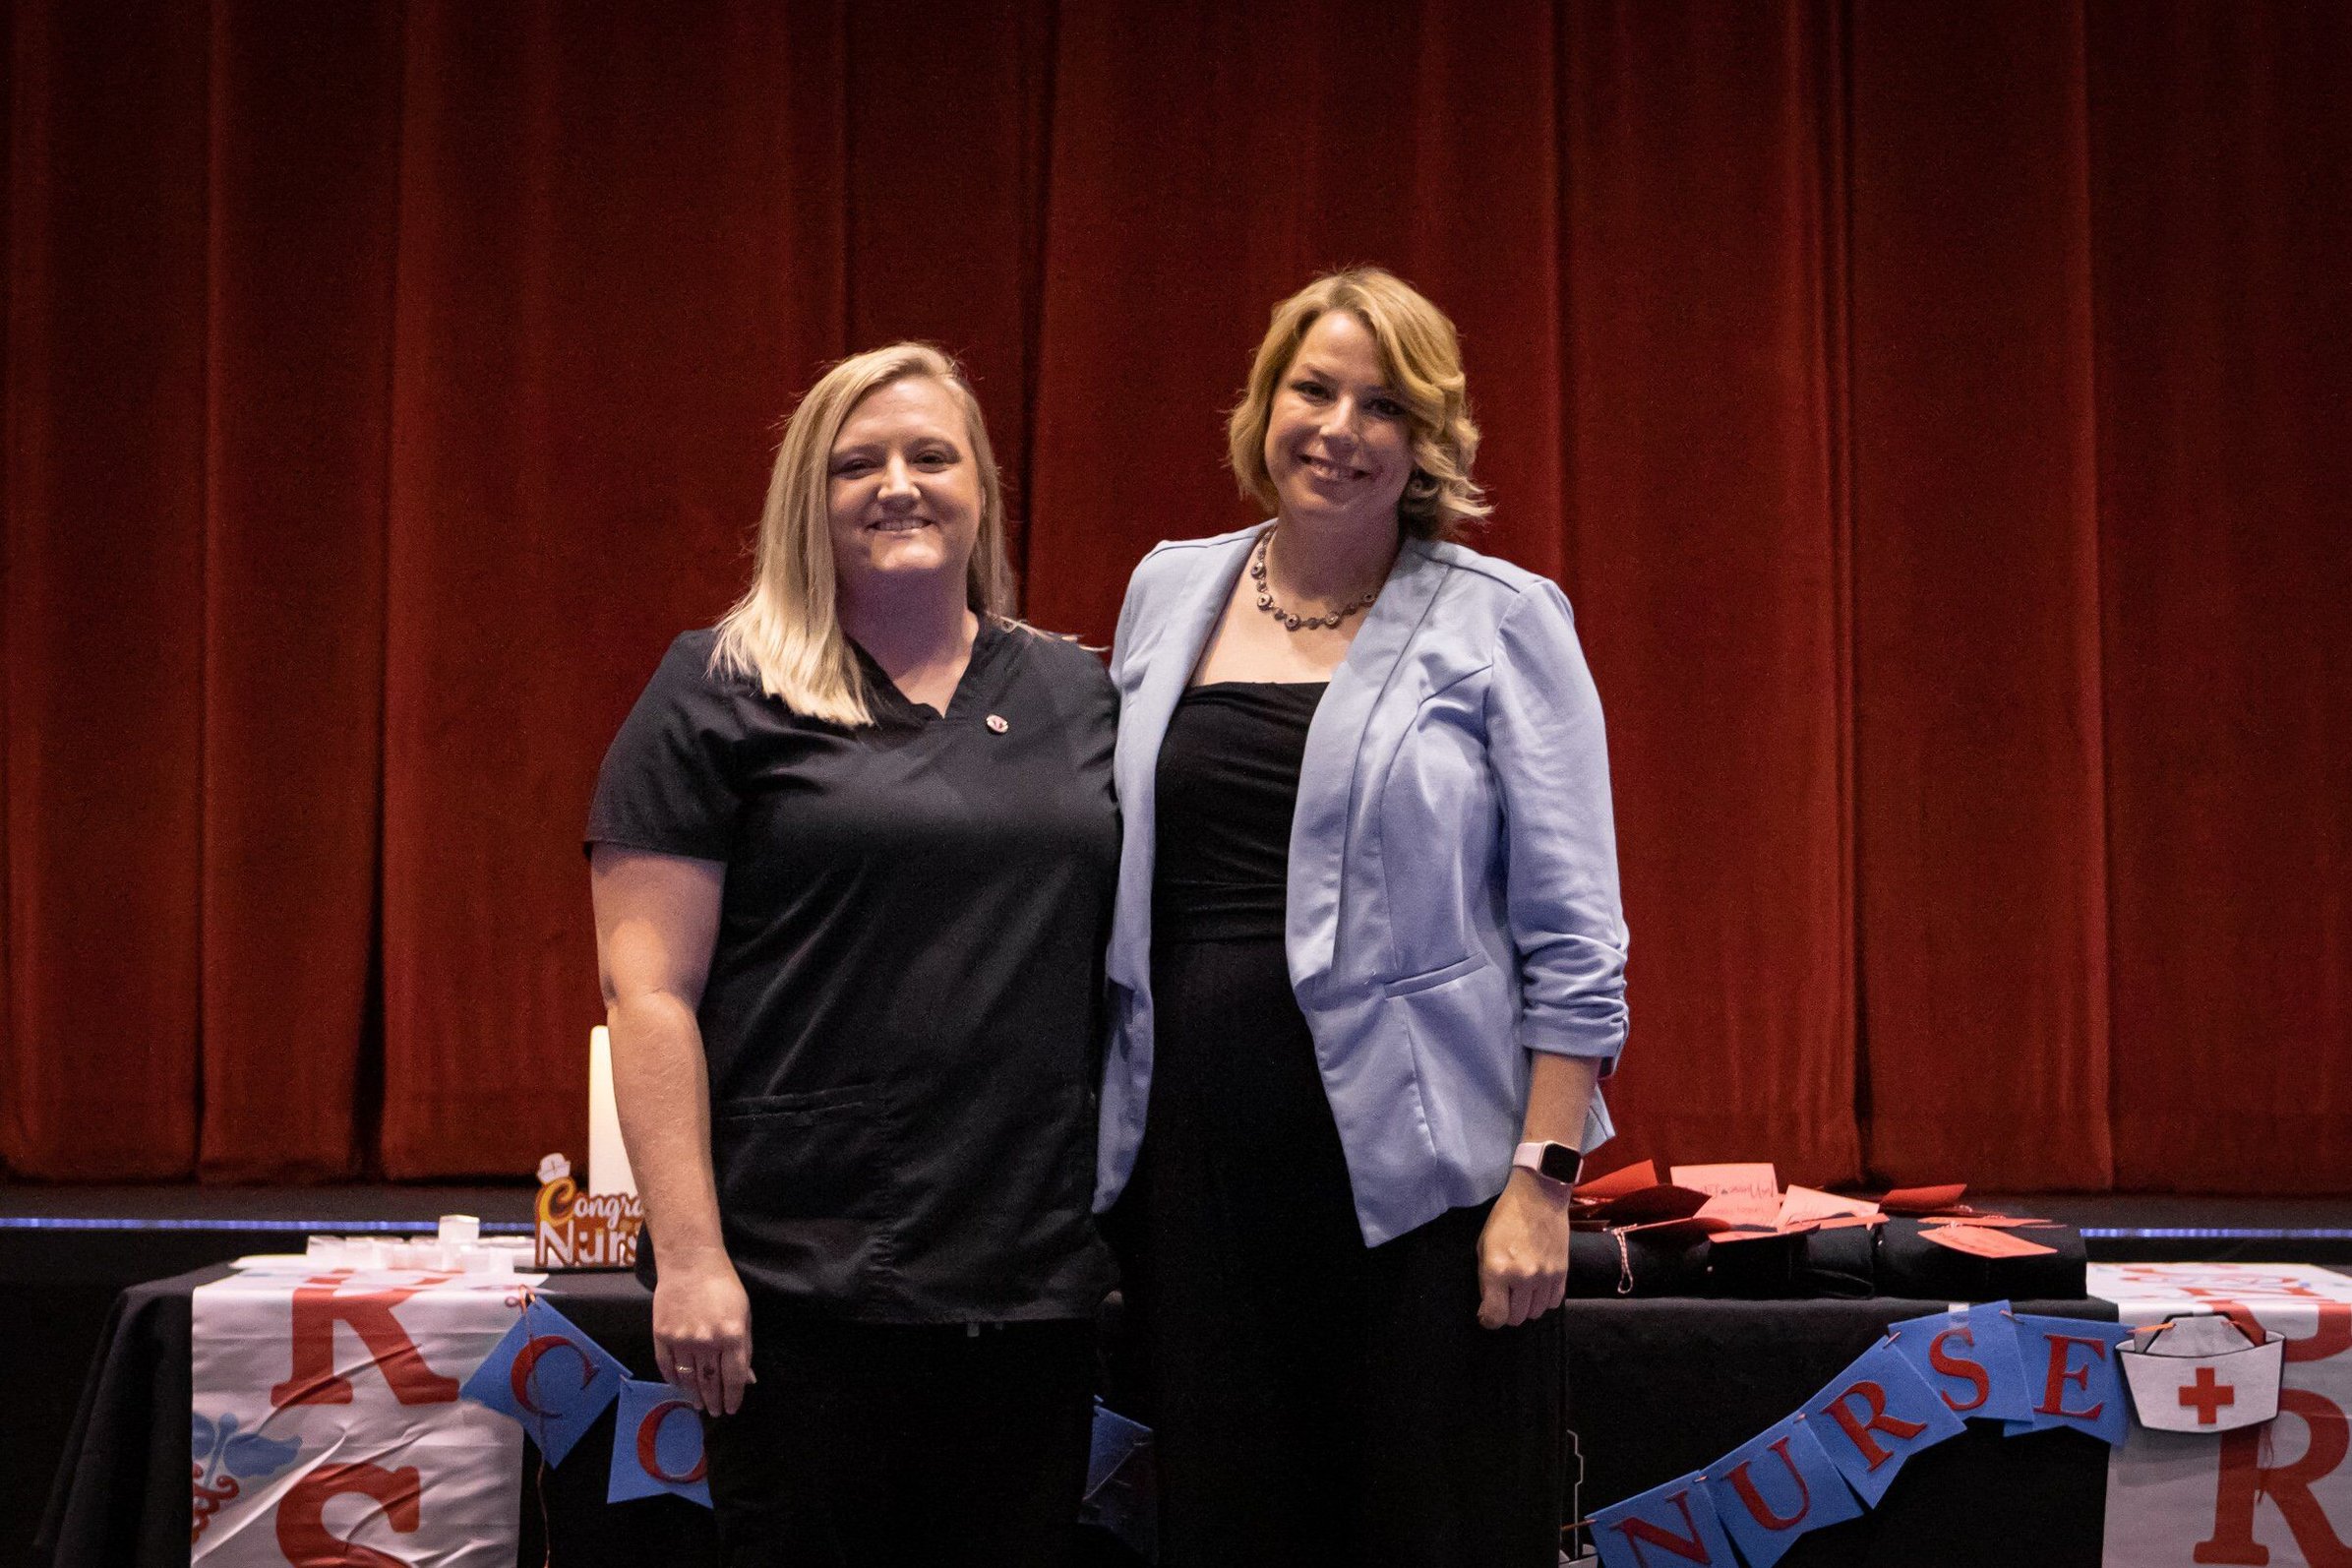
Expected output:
(1873, 1452)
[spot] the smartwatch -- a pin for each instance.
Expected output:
(1554, 1162)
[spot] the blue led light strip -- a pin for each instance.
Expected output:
(2215, 1233)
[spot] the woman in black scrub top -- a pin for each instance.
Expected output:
(853, 856)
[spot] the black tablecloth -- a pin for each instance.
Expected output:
(1656, 1388)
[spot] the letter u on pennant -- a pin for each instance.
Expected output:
(1775, 1488)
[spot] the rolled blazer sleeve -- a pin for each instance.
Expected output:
(1550, 761)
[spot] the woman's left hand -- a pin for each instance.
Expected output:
(1523, 1252)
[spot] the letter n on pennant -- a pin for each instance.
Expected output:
(1667, 1526)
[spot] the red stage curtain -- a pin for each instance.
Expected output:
(1939, 422)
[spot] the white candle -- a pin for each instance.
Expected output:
(608, 1158)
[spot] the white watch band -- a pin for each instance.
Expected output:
(1530, 1157)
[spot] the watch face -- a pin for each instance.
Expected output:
(1560, 1163)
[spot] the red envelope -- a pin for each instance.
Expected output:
(1625, 1178)
(1984, 1244)
(1663, 1201)
(1923, 1200)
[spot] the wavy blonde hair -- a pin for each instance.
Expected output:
(785, 632)
(1421, 357)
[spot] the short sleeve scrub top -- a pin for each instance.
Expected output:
(900, 1016)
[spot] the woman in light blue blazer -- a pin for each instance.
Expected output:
(1366, 966)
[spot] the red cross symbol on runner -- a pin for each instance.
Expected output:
(2207, 1397)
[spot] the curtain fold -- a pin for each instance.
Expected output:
(302, 199)
(1978, 719)
(105, 589)
(2221, 215)
(620, 256)
(1940, 425)
(1704, 252)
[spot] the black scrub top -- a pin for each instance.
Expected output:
(900, 1020)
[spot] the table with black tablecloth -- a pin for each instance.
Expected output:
(1657, 1389)
(122, 1493)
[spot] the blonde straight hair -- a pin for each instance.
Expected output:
(785, 632)
(1422, 358)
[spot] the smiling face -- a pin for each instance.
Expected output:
(1339, 445)
(903, 490)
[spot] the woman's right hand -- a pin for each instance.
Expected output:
(703, 1333)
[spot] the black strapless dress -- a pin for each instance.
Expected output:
(1314, 1400)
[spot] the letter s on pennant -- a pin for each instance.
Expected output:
(1958, 1367)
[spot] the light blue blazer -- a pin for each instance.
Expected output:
(1452, 872)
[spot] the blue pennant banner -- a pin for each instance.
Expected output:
(2072, 1375)
(1969, 1358)
(1670, 1524)
(1778, 1486)
(1874, 1415)
(657, 1446)
(550, 1376)
(1116, 1439)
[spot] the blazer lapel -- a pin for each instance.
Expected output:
(1191, 617)
(1334, 744)
(1191, 614)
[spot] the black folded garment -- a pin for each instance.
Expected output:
(1839, 1262)
(1908, 1264)
(1760, 1266)
(1660, 1266)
